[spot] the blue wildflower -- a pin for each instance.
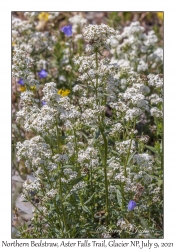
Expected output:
(20, 81)
(43, 73)
(67, 30)
(131, 205)
(43, 103)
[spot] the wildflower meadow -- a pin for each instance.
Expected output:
(87, 125)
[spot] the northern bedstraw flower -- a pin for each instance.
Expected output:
(155, 81)
(53, 14)
(155, 112)
(142, 160)
(52, 193)
(155, 99)
(26, 38)
(31, 186)
(136, 49)
(88, 158)
(97, 35)
(77, 21)
(123, 146)
(22, 68)
(78, 186)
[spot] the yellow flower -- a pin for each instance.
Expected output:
(22, 89)
(43, 16)
(160, 15)
(63, 92)
(13, 44)
(33, 87)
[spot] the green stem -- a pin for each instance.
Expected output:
(70, 62)
(96, 87)
(92, 189)
(48, 221)
(60, 183)
(76, 155)
(61, 200)
(125, 173)
(56, 206)
(58, 139)
(122, 191)
(105, 174)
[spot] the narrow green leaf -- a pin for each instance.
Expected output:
(115, 152)
(119, 197)
(143, 222)
(77, 180)
(86, 209)
(90, 198)
(97, 133)
(67, 166)
(160, 182)
(130, 157)
(66, 203)
(118, 187)
(152, 149)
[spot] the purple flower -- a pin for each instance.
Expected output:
(20, 81)
(43, 103)
(131, 205)
(43, 73)
(67, 30)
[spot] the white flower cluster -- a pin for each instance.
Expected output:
(156, 112)
(30, 188)
(35, 43)
(107, 83)
(32, 41)
(79, 186)
(123, 225)
(41, 120)
(21, 68)
(53, 14)
(70, 173)
(132, 103)
(134, 95)
(125, 146)
(155, 99)
(51, 96)
(97, 35)
(77, 21)
(143, 160)
(155, 80)
(52, 193)
(60, 158)
(88, 158)
(115, 129)
(35, 150)
(136, 49)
